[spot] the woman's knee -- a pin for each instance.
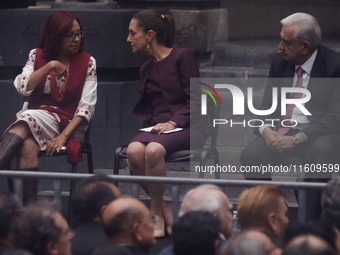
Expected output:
(135, 151)
(154, 152)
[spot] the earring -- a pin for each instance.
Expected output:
(148, 45)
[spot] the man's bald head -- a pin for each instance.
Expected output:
(128, 221)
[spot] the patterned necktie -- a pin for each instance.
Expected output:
(290, 107)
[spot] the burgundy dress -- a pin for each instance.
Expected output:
(165, 89)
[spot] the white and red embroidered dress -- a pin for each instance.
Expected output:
(80, 96)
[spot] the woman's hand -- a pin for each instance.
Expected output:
(162, 127)
(59, 68)
(55, 144)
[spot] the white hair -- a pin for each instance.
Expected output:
(212, 202)
(306, 27)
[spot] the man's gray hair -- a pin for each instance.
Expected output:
(211, 203)
(306, 28)
(241, 245)
(330, 201)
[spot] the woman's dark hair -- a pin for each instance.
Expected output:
(57, 26)
(163, 25)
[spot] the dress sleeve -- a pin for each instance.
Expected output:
(88, 98)
(21, 81)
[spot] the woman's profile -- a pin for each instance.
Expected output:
(164, 105)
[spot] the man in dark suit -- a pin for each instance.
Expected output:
(313, 137)
(88, 202)
(128, 222)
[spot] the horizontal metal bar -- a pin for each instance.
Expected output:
(163, 180)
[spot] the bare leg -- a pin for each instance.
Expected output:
(155, 166)
(136, 160)
(29, 154)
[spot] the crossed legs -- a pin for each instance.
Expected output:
(148, 160)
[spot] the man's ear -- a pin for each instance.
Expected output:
(52, 248)
(271, 219)
(306, 47)
(102, 209)
(136, 234)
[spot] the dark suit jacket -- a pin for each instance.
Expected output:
(324, 104)
(88, 237)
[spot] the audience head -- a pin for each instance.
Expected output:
(317, 229)
(148, 27)
(41, 229)
(209, 198)
(242, 245)
(308, 244)
(330, 202)
(56, 29)
(263, 207)
(300, 36)
(196, 232)
(250, 242)
(92, 196)
(9, 205)
(127, 221)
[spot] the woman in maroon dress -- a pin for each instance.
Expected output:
(165, 104)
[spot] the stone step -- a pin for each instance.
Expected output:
(253, 53)
(242, 54)
(233, 72)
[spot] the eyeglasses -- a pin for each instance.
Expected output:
(72, 36)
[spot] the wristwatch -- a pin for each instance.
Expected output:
(296, 140)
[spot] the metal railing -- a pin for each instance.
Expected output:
(175, 183)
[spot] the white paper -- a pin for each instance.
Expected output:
(148, 129)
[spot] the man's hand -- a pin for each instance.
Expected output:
(269, 136)
(282, 143)
(276, 142)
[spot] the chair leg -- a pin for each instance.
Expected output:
(72, 189)
(89, 158)
(116, 161)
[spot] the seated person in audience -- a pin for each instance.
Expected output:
(211, 199)
(312, 229)
(315, 138)
(250, 242)
(196, 232)
(311, 239)
(41, 229)
(129, 223)
(88, 203)
(165, 105)
(61, 82)
(330, 203)
(264, 208)
(9, 205)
